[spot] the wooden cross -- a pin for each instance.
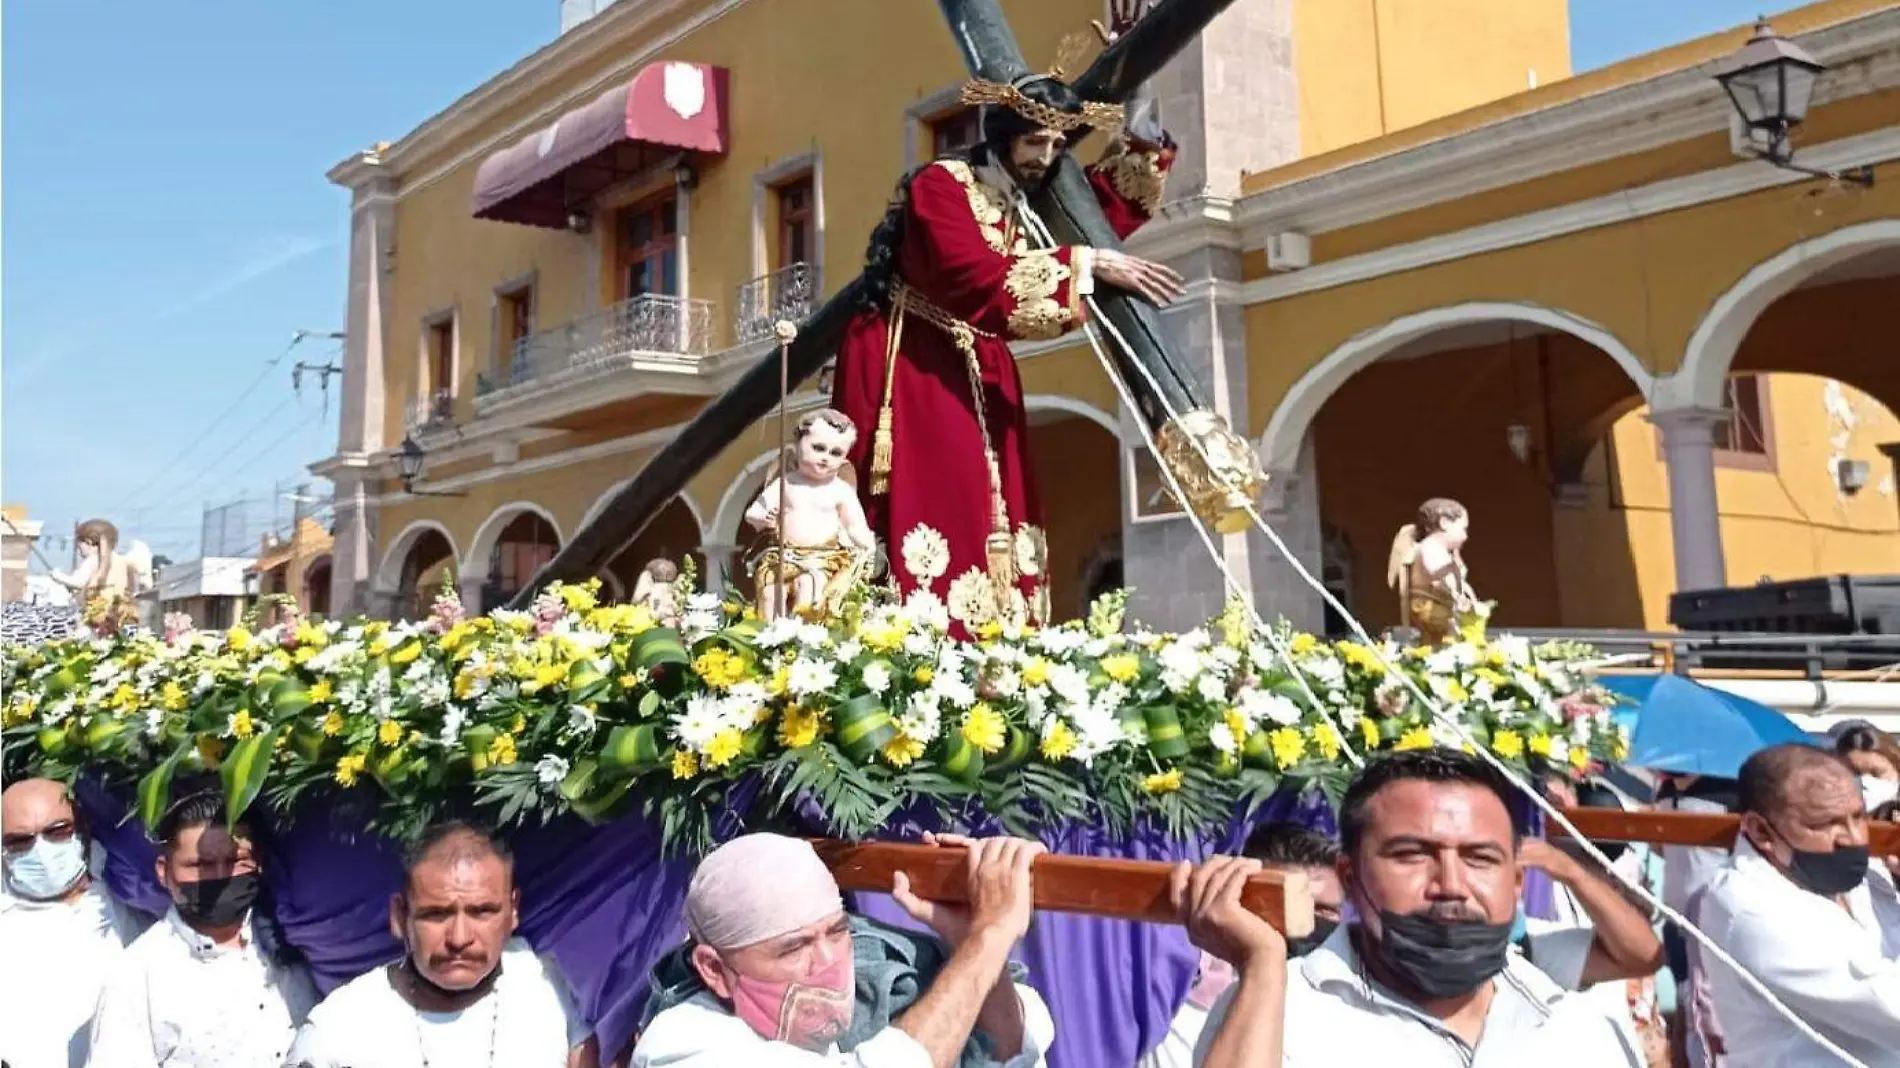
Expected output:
(1707, 829)
(1066, 203)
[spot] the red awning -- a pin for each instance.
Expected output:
(667, 108)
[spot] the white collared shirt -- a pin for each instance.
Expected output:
(701, 1033)
(177, 1000)
(528, 1020)
(1336, 1018)
(57, 957)
(1825, 962)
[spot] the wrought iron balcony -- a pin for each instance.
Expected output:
(787, 293)
(432, 410)
(646, 328)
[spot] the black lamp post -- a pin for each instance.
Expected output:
(409, 457)
(1771, 84)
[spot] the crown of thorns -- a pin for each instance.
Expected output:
(979, 92)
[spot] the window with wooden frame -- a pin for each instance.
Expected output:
(797, 222)
(646, 247)
(439, 369)
(514, 321)
(1746, 432)
(956, 131)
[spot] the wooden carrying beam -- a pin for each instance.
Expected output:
(1097, 886)
(1711, 830)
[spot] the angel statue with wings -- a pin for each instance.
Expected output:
(823, 545)
(103, 580)
(1427, 567)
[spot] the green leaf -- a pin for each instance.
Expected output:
(155, 789)
(244, 770)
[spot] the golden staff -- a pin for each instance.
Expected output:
(786, 331)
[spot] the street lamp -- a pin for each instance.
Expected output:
(1771, 84)
(409, 457)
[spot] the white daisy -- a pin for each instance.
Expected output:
(550, 770)
(877, 677)
(810, 676)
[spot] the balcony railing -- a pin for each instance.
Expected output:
(434, 409)
(787, 293)
(645, 325)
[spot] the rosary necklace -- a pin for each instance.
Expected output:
(494, 1030)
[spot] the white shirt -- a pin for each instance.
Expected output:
(527, 1020)
(1688, 869)
(701, 1033)
(57, 954)
(176, 1000)
(1336, 1018)
(1824, 962)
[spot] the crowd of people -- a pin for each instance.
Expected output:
(1421, 954)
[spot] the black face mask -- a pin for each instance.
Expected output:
(1829, 874)
(1322, 930)
(216, 902)
(1439, 958)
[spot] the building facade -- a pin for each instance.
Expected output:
(1423, 261)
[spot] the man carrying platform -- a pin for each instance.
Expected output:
(957, 270)
(776, 975)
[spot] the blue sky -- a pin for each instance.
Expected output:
(167, 225)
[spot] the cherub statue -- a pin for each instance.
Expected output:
(822, 544)
(100, 570)
(655, 589)
(1427, 567)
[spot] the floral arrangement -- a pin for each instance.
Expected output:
(603, 710)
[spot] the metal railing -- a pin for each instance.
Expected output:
(648, 324)
(787, 293)
(433, 409)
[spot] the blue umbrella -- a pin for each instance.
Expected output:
(1687, 728)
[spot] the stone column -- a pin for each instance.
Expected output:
(1695, 522)
(1892, 451)
(361, 434)
(1231, 102)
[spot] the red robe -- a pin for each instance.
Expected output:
(964, 252)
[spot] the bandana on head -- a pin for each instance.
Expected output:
(758, 886)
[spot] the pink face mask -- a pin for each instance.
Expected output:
(810, 1014)
(1215, 977)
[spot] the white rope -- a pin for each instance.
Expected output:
(1438, 713)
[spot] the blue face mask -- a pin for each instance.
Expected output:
(47, 869)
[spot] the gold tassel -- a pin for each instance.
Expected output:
(881, 453)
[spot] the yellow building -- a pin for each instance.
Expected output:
(1423, 261)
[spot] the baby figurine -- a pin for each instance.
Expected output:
(823, 543)
(655, 590)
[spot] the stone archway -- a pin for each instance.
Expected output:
(1498, 412)
(672, 535)
(514, 542)
(1076, 451)
(413, 568)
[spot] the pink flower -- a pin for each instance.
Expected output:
(548, 611)
(447, 610)
(177, 625)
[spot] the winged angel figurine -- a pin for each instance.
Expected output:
(823, 545)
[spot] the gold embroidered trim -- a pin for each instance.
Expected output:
(1032, 282)
(1136, 176)
(989, 206)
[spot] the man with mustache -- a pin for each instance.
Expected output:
(777, 975)
(1424, 975)
(207, 986)
(467, 993)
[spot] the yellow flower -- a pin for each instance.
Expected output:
(720, 669)
(724, 747)
(1416, 738)
(1496, 658)
(1288, 746)
(21, 710)
(685, 764)
(780, 681)
(923, 675)
(901, 750)
(465, 683)
(547, 675)
(502, 750)
(1579, 757)
(638, 620)
(883, 637)
(1540, 744)
(125, 697)
(579, 598)
(1369, 730)
(1058, 742)
(1620, 746)
(1326, 740)
(1497, 680)
(1121, 667)
(279, 660)
(1236, 724)
(983, 728)
(1302, 644)
(172, 697)
(988, 631)
(309, 634)
(389, 733)
(1036, 672)
(304, 654)
(1362, 658)
(797, 728)
(628, 681)
(1455, 691)
(333, 724)
(210, 749)
(377, 646)
(241, 725)
(237, 639)
(349, 767)
(1508, 744)
(518, 723)
(1162, 782)
(407, 654)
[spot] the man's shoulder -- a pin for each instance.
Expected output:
(699, 1023)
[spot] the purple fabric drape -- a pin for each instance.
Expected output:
(605, 905)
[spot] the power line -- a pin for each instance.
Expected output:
(195, 478)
